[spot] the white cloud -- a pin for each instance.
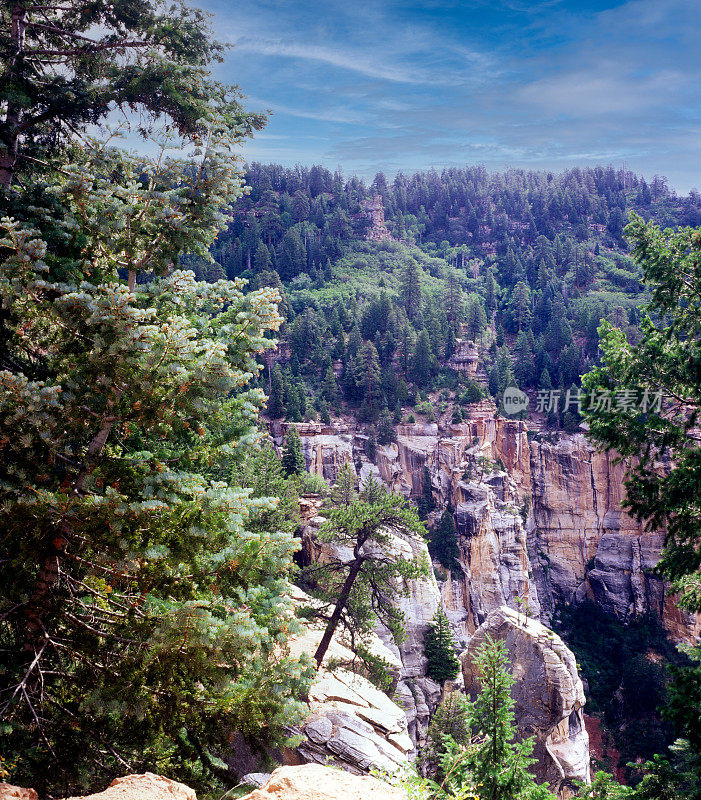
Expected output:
(585, 93)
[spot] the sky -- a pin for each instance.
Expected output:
(396, 86)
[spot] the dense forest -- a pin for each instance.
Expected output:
(381, 282)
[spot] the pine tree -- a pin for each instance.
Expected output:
(344, 490)
(329, 388)
(276, 405)
(499, 763)
(66, 68)
(385, 429)
(410, 288)
(444, 543)
(426, 503)
(293, 462)
(362, 589)
(261, 259)
(141, 620)
(439, 649)
(451, 719)
(422, 362)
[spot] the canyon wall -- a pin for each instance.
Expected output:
(538, 517)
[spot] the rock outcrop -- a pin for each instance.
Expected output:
(539, 517)
(351, 723)
(10, 792)
(313, 782)
(548, 694)
(583, 544)
(143, 787)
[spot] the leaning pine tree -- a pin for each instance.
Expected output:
(141, 622)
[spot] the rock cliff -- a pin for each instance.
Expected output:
(539, 518)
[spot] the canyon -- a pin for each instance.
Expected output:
(538, 515)
(539, 523)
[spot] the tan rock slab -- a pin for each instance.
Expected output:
(314, 782)
(147, 786)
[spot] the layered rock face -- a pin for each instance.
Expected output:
(548, 694)
(351, 723)
(539, 521)
(582, 544)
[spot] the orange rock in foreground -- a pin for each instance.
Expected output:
(141, 787)
(314, 782)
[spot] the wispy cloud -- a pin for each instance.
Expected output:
(362, 63)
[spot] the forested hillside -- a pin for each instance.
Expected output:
(381, 282)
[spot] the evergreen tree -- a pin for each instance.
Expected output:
(385, 429)
(344, 490)
(444, 543)
(426, 503)
(410, 288)
(293, 462)
(66, 67)
(261, 259)
(329, 388)
(499, 763)
(451, 719)
(439, 649)
(369, 377)
(356, 592)
(141, 621)
(663, 363)
(422, 363)
(276, 405)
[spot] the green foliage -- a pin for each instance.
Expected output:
(480, 760)
(605, 787)
(439, 649)
(276, 405)
(624, 666)
(664, 360)
(451, 719)
(293, 462)
(499, 763)
(64, 71)
(444, 543)
(142, 602)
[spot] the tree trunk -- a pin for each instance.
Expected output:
(338, 610)
(9, 148)
(57, 540)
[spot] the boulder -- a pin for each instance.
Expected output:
(143, 787)
(548, 694)
(10, 792)
(315, 782)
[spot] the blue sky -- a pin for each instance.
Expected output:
(369, 85)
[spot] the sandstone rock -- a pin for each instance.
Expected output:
(582, 544)
(143, 787)
(315, 782)
(10, 792)
(326, 454)
(548, 694)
